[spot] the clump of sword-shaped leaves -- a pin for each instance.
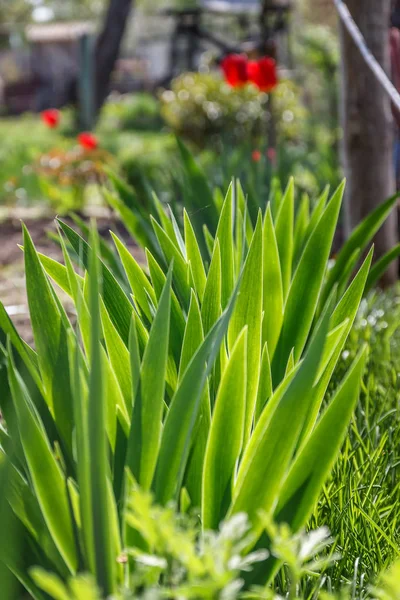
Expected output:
(199, 380)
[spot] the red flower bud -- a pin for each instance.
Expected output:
(87, 140)
(263, 73)
(256, 155)
(234, 67)
(51, 117)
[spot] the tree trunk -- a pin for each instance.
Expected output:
(108, 46)
(368, 126)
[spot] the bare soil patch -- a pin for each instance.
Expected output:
(12, 278)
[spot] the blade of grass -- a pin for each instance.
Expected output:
(225, 237)
(116, 301)
(104, 558)
(211, 306)
(192, 340)
(145, 434)
(359, 238)
(269, 451)
(248, 311)
(284, 235)
(194, 257)
(272, 286)
(50, 335)
(183, 413)
(227, 424)
(43, 468)
(305, 289)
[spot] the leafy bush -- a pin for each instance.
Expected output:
(137, 112)
(203, 108)
(47, 165)
(28, 177)
(207, 388)
(65, 176)
(148, 161)
(18, 181)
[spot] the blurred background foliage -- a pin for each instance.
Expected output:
(222, 125)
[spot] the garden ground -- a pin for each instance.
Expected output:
(40, 225)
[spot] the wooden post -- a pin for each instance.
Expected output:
(86, 84)
(108, 46)
(368, 126)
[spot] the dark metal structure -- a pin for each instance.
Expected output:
(257, 23)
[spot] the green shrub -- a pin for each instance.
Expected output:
(148, 160)
(207, 387)
(18, 181)
(137, 112)
(47, 166)
(202, 108)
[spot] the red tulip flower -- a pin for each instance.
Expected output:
(263, 73)
(256, 155)
(234, 67)
(88, 141)
(271, 155)
(51, 117)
